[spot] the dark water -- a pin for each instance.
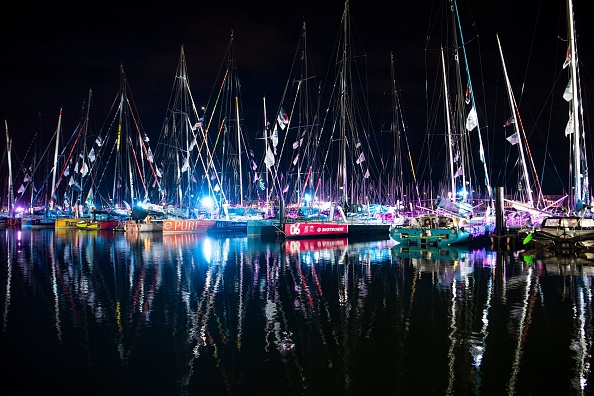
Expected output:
(87, 313)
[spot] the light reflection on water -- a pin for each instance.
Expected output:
(105, 313)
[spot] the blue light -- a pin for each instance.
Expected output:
(207, 202)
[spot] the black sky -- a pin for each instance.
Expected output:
(51, 55)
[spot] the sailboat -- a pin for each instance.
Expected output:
(335, 210)
(8, 219)
(191, 185)
(47, 219)
(569, 234)
(74, 168)
(532, 202)
(454, 217)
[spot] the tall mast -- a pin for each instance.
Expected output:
(513, 107)
(580, 172)
(58, 129)
(239, 152)
(266, 147)
(473, 107)
(343, 104)
(8, 150)
(449, 124)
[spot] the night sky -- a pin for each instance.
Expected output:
(51, 55)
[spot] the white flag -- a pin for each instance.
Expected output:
(21, 189)
(513, 139)
(71, 181)
(283, 119)
(366, 176)
(569, 126)
(296, 159)
(84, 169)
(568, 94)
(92, 155)
(274, 137)
(471, 120)
(149, 155)
(361, 158)
(186, 164)
(158, 172)
(269, 159)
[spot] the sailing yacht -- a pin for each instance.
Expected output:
(454, 218)
(338, 207)
(569, 234)
(190, 168)
(8, 218)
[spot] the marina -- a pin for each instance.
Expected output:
(120, 313)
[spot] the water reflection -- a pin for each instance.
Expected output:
(183, 314)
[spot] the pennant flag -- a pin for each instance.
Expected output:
(186, 164)
(76, 167)
(366, 176)
(158, 172)
(256, 177)
(513, 139)
(283, 119)
(286, 189)
(84, 169)
(71, 181)
(27, 178)
(193, 144)
(194, 179)
(149, 155)
(471, 120)
(217, 187)
(297, 143)
(21, 189)
(296, 159)
(274, 138)
(254, 166)
(198, 124)
(567, 59)
(92, 155)
(89, 200)
(458, 172)
(509, 121)
(569, 126)
(358, 143)
(269, 159)
(67, 171)
(361, 158)
(568, 94)
(146, 138)
(99, 141)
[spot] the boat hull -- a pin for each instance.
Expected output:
(204, 226)
(10, 222)
(37, 223)
(132, 226)
(323, 229)
(425, 237)
(98, 225)
(67, 223)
